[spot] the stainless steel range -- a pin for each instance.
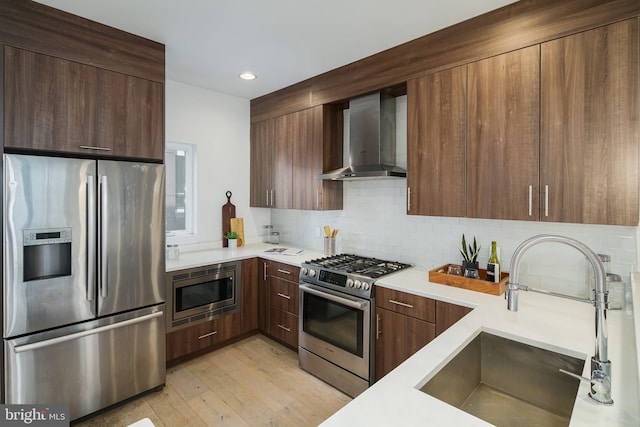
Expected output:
(336, 317)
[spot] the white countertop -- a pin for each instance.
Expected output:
(547, 322)
(207, 256)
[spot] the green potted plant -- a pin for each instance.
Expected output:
(232, 237)
(469, 254)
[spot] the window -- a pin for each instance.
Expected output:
(180, 210)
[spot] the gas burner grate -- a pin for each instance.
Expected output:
(365, 266)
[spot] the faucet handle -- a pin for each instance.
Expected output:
(579, 377)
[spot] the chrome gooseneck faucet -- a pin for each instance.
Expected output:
(600, 365)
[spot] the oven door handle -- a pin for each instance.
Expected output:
(335, 298)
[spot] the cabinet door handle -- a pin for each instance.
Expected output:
(264, 270)
(283, 271)
(546, 200)
(318, 198)
(284, 327)
(267, 196)
(91, 147)
(403, 304)
(207, 335)
(284, 296)
(530, 200)
(378, 318)
(408, 199)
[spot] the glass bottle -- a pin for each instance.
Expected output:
(493, 266)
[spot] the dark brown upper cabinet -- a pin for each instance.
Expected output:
(55, 105)
(287, 155)
(503, 136)
(261, 162)
(317, 152)
(436, 143)
(589, 126)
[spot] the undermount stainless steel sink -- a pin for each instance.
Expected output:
(508, 383)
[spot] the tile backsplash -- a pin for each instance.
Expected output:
(374, 223)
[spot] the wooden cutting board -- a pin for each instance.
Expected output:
(228, 212)
(237, 225)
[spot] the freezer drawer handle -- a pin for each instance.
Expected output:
(59, 340)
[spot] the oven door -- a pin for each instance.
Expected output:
(336, 327)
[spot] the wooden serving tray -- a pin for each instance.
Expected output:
(439, 275)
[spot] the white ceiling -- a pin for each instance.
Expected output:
(209, 42)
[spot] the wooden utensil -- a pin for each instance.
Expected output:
(327, 231)
(334, 233)
(237, 225)
(228, 212)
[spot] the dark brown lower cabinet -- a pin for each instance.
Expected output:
(250, 290)
(397, 337)
(284, 326)
(448, 314)
(213, 333)
(283, 303)
(202, 335)
(405, 323)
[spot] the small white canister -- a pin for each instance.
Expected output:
(173, 252)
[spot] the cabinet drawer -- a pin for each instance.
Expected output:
(202, 335)
(284, 271)
(284, 295)
(412, 305)
(284, 326)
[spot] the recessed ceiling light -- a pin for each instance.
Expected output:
(247, 76)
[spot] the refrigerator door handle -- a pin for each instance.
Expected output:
(91, 237)
(103, 237)
(71, 337)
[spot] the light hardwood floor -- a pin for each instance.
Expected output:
(254, 382)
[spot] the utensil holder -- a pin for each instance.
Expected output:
(329, 246)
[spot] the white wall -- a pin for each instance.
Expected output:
(219, 125)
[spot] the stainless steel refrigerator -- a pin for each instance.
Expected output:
(83, 288)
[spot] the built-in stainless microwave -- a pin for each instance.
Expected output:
(202, 293)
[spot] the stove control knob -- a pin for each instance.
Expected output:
(312, 272)
(365, 286)
(349, 283)
(357, 284)
(304, 271)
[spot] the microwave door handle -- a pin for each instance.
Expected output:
(103, 237)
(91, 237)
(335, 298)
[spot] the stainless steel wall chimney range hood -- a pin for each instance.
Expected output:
(372, 140)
